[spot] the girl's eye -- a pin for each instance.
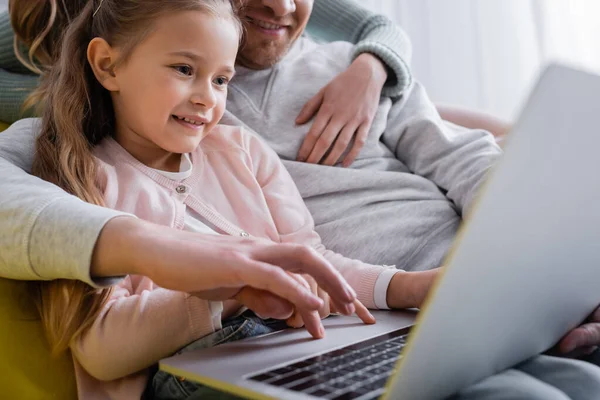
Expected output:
(184, 69)
(221, 81)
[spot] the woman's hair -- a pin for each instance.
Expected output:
(77, 116)
(38, 27)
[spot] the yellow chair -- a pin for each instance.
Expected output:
(27, 370)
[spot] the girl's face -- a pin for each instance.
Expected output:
(171, 90)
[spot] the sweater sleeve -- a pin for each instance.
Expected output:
(45, 233)
(456, 159)
(371, 33)
(295, 224)
(139, 325)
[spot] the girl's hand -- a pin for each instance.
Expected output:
(409, 289)
(312, 320)
(344, 110)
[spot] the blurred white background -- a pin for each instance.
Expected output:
(486, 54)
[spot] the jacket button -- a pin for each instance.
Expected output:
(181, 189)
(244, 234)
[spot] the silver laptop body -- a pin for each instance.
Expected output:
(523, 272)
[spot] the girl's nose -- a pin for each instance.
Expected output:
(204, 96)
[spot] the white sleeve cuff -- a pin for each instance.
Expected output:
(381, 287)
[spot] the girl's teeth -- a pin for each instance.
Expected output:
(189, 121)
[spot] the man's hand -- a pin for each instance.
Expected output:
(582, 340)
(345, 109)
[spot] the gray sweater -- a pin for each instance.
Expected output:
(401, 201)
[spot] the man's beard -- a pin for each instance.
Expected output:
(262, 55)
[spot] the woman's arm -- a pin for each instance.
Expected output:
(45, 233)
(16, 82)
(375, 34)
(48, 234)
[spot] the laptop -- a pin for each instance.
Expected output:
(523, 272)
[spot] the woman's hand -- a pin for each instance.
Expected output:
(409, 289)
(344, 110)
(312, 320)
(193, 262)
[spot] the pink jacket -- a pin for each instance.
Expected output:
(240, 186)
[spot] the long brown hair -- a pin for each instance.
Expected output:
(77, 116)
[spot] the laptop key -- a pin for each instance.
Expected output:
(291, 378)
(376, 384)
(306, 385)
(352, 394)
(320, 392)
(263, 377)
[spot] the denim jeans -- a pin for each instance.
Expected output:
(164, 386)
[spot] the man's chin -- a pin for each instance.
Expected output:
(261, 58)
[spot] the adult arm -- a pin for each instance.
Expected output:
(344, 109)
(45, 233)
(48, 234)
(455, 158)
(346, 20)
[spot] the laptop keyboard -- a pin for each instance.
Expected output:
(359, 371)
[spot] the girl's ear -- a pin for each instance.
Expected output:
(102, 59)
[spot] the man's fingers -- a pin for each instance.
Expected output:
(359, 142)
(587, 335)
(325, 141)
(341, 144)
(313, 135)
(310, 108)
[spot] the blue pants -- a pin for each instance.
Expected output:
(164, 386)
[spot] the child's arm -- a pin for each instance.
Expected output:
(139, 325)
(375, 284)
(455, 158)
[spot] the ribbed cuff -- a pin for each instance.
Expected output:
(381, 287)
(200, 315)
(366, 291)
(400, 78)
(63, 237)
